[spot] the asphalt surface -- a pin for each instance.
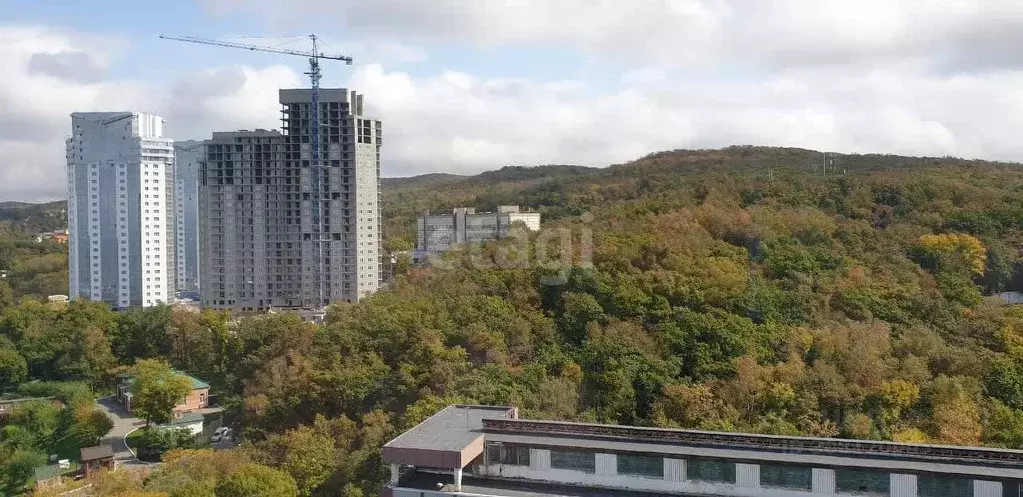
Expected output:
(123, 424)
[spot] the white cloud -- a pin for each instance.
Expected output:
(37, 103)
(896, 76)
(950, 34)
(457, 123)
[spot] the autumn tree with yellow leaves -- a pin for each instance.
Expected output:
(961, 247)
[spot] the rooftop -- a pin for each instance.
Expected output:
(451, 438)
(196, 382)
(452, 428)
(97, 452)
(47, 472)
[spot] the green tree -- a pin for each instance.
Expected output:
(88, 424)
(157, 441)
(579, 310)
(1004, 381)
(13, 368)
(142, 334)
(1004, 427)
(255, 480)
(157, 389)
(308, 456)
(19, 468)
(40, 418)
(6, 296)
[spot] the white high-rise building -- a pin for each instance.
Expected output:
(280, 228)
(187, 157)
(120, 173)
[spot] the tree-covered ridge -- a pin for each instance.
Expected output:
(744, 284)
(734, 289)
(28, 218)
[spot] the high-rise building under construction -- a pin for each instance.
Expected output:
(282, 227)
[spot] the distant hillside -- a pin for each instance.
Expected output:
(558, 191)
(746, 157)
(421, 180)
(23, 217)
(404, 199)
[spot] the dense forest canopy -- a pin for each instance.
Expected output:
(736, 289)
(29, 268)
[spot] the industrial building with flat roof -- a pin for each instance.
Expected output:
(489, 451)
(438, 233)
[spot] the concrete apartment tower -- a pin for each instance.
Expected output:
(187, 156)
(279, 230)
(120, 173)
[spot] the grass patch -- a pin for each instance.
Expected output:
(67, 448)
(134, 438)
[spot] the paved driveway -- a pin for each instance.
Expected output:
(123, 423)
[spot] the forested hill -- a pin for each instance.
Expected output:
(28, 218)
(737, 289)
(742, 288)
(557, 190)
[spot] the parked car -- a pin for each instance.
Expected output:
(222, 433)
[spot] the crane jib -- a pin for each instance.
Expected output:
(319, 186)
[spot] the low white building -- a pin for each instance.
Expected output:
(440, 232)
(190, 421)
(489, 451)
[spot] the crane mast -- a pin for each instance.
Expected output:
(320, 186)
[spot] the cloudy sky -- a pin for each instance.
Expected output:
(469, 85)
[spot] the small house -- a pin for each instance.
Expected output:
(97, 458)
(48, 476)
(198, 398)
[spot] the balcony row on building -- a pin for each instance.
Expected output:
(488, 451)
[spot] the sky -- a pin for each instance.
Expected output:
(464, 86)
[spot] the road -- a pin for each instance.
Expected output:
(123, 424)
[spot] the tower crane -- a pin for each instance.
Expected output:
(319, 185)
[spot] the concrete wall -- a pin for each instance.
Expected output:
(195, 428)
(196, 399)
(532, 219)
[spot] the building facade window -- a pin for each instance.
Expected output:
(862, 481)
(637, 465)
(943, 486)
(511, 454)
(790, 477)
(711, 470)
(576, 460)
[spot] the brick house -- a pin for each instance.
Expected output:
(198, 398)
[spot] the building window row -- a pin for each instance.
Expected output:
(847, 481)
